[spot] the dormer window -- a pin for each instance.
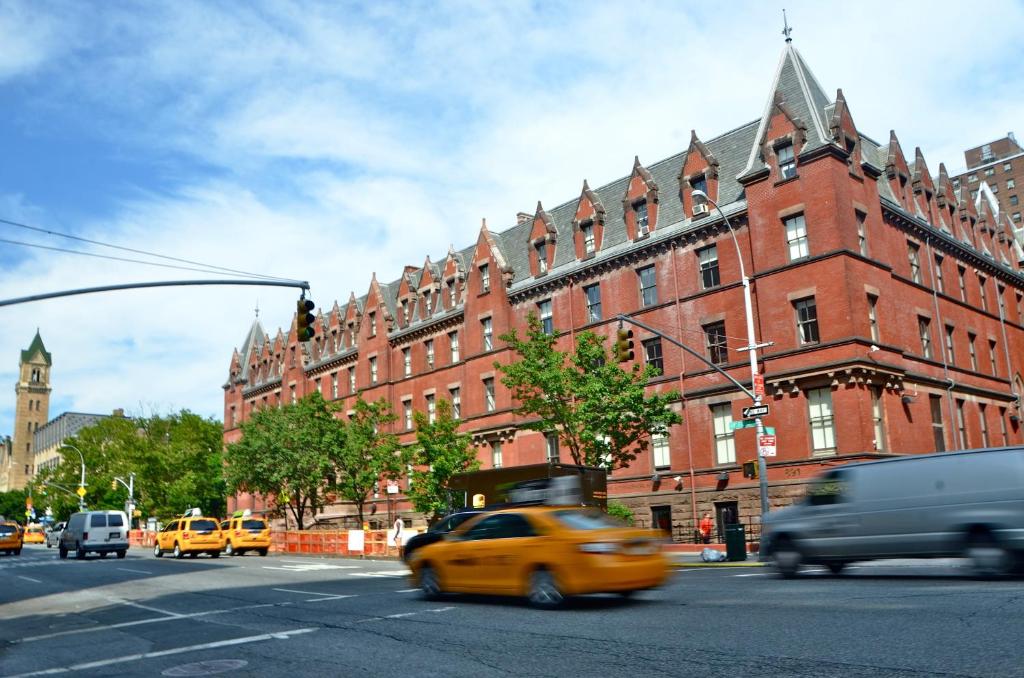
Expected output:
(589, 245)
(451, 294)
(642, 223)
(485, 278)
(405, 311)
(373, 324)
(542, 257)
(787, 161)
(699, 183)
(428, 304)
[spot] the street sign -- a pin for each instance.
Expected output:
(81, 491)
(759, 385)
(737, 425)
(755, 411)
(766, 445)
(392, 487)
(770, 430)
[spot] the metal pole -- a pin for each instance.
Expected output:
(81, 483)
(300, 284)
(751, 350)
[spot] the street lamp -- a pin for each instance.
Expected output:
(130, 485)
(700, 196)
(81, 483)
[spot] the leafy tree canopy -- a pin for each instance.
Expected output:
(361, 454)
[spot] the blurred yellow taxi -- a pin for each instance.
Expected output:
(11, 538)
(35, 534)
(244, 533)
(544, 553)
(192, 534)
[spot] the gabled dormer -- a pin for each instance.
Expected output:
(699, 171)
(588, 224)
(351, 321)
(376, 317)
(784, 137)
(844, 133)
(945, 200)
(453, 275)
(924, 187)
(407, 296)
(898, 172)
(968, 215)
(428, 291)
(488, 254)
(542, 242)
(640, 204)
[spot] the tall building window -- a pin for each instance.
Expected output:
(334, 385)
(878, 418)
(542, 257)
(984, 297)
(983, 421)
(589, 244)
(873, 317)
(1019, 304)
(648, 286)
(714, 341)
(950, 355)
(593, 295)
(708, 258)
(940, 283)
(547, 321)
(652, 354)
(407, 414)
(407, 360)
(725, 444)
(452, 294)
(372, 317)
(699, 183)
(453, 344)
(993, 361)
(914, 256)
(352, 380)
(431, 409)
(430, 353)
(787, 161)
(972, 351)
(961, 426)
(938, 435)
(294, 398)
(862, 233)
(551, 444)
(807, 320)
(796, 237)
(405, 311)
(924, 328)
(456, 397)
(489, 402)
(660, 451)
(496, 454)
(488, 333)
(1000, 292)
(485, 278)
(823, 434)
(373, 370)
(961, 273)
(642, 225)
(428, 303)
(1002, 426)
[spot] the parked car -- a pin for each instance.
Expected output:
(544, 553)
(53, 534)
(437, 531)
(244, 533)
(11, 538)
(968, 503)
(191, 534)
(100, 532)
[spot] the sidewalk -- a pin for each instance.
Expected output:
(689, 555)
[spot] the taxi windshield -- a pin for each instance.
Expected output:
(586, 520)
(253, 525)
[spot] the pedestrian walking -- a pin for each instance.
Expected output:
(398, 527)
(706, 525)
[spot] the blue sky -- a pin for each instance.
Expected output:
(326, 141)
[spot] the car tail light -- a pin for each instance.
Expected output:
(185, 535)
(599, 547)
(238, 533)
(85, 536)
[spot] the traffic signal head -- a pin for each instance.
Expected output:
(750, 469)
(624, 345)
(113, 484)
(304, 319)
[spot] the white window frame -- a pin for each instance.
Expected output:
(430, 353)
(643, 218)
(547, 320)
(589, 242)
(796, 237)
(541, 249)
(496, 454)
(455, 395)
(490, 401)
(660, 452)
(373, 370)
(551, 449)
(592, 304)
(431, 408)
(785, 155)
(487, 331)
(453, 346)
(407, 412)
(407, 361)
(821, 420)
(724, 440)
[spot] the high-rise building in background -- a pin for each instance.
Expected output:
(1000, 165)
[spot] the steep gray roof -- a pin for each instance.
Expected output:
(252, 343)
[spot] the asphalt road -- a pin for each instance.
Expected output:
(287, 616)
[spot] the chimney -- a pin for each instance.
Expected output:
(119, 412)
(523, 217)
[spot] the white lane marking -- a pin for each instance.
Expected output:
(440, 609)
(149, 608)
(320, 600)
(281, 635)
(125, 569)
(399, 615)
(380, 573)
(406, 590)
(315, 593)
(36, 581)
(310, 567)
(755, 574)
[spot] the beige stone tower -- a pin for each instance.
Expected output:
(32, 410)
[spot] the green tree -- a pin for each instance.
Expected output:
(439, 453)
(12, 505)
(361, 454)
(284, 452)
(620, 511)
(602, 414)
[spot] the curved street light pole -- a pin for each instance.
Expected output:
(81, 483)
(751, 347)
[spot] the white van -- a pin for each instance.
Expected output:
(968, 503)
(100, 532)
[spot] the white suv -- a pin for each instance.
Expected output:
(53, 535)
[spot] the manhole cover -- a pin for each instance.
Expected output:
(207, 668)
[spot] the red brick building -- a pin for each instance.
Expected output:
(893, 305)
(999, 165)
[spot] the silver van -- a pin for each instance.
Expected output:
(968, 503)
(100, 532)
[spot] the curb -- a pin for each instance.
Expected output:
(740, 563)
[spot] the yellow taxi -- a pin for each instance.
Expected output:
(11, 538)
(35, 534)
(244, 533)
(544, 553)
(191, 534)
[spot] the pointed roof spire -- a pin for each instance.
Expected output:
(786, 28)
(34, 347)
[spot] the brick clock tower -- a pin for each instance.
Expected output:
(31, 411)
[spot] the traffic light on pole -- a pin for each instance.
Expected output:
(624, 345)
(750, 469)
(305, 318)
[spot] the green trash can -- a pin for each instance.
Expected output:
(735, 542)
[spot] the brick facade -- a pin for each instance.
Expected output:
(32, 406)
(823, 238)
(999, 165)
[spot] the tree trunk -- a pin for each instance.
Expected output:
(359, 512)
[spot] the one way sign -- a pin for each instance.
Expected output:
(755, 411)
